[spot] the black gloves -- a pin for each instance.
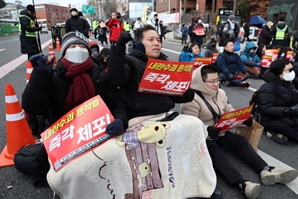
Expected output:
(123, 38)
(42, 62)
(188, 95)
(115, 128)
(248, 122)
(213, 132)
(231, 77)
(185, 49)
(293, 110)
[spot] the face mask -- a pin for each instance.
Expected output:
(289, 76)
(77, 55)
(118, 17)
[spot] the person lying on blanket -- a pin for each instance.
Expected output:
(206, 81)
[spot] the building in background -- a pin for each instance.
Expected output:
(139, 8)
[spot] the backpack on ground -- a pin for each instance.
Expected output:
(31, 159)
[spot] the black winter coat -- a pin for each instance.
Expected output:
(126, 71)
(28, 44)
(76, 23)
(273, 99)
(265, 36)
(45, 93)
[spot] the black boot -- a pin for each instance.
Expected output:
(217, 194)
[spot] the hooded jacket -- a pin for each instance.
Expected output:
(28, 44)
(197, 107)
(116, 26)
(280, 25)
(126, 71)
(77, 23)
(273, 99)
(151, 21)
(248, 58)
(46, 91)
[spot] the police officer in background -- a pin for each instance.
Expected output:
(28, 28)
(279, 32)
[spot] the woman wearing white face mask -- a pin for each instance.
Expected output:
(55, 91)
(278, 103)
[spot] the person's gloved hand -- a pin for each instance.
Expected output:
(185, 48)
(115, 128)
(293, 110)
(189, 94)
(43, 62)
(213, 132)
(123, 38)
(231, 77)
(248, 122)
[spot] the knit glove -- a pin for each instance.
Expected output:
(189, 95)
(43, 62)
(213, 132)
(123, 38)
(115, 128)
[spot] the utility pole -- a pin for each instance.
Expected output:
(184, 11)
(234, 7)
(212, 13)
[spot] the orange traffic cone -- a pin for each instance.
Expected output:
(58, 47)
(52, 53)
(29, 69)
(18, 133)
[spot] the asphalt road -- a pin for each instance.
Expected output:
(14, 184)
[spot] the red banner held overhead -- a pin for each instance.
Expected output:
(166, 77)
(77, 132)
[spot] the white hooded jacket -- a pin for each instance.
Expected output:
(151, 21)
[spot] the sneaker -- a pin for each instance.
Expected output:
(278, 175)
(226, 83)
(251, 190)
(245, 84)
(279, 138)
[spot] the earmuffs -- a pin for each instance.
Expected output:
(140, 46)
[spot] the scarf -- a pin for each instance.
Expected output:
(82, 87)
(232, 25)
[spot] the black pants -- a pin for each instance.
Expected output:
(184, 39)
(278, 126)
(241, 147)
(160, 37)
(245, 37)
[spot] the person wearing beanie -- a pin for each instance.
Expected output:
(76, 78)
(205, 81)
(28, 29)
(211, 48)
(116, 26)
(280, 33)
(75, 22)
(278, 103)
(230, 30)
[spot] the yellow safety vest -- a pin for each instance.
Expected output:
(32, 24)
(280, 33)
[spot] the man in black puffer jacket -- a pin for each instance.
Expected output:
(77, 23)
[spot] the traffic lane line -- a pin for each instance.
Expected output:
(276, 163)
(6, 68)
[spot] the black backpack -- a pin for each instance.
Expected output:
(32, 159)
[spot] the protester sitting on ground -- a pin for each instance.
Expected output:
(211, 48)
(205, 80)
(187, 56)
(265, 36)
(55, 91)
(261, 50)
(278, 103)
(126, 71)
(230, 65)
(251, 61)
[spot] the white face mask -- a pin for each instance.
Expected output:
(77, 54)
(289, 76)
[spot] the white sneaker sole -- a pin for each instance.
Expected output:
(283, 178)
(254, 192)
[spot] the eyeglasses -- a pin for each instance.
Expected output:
(213, 81)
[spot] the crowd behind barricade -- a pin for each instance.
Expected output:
(84, 70)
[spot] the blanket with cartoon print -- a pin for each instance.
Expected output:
(150, 160)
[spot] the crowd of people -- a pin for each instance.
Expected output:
(84, 70)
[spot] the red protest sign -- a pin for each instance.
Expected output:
(214, 57)
(290, 55)
(166, 77)
(201, 61)
(77, 132)
(266, 61)
(272, 52)
(239, 76)
(233, 119)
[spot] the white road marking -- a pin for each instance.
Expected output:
(2, 49)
